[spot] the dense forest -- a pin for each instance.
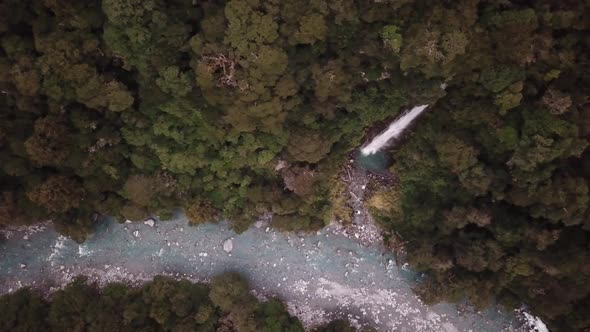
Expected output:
(231, 109)
(163, 304)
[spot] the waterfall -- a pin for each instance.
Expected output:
(393, 131)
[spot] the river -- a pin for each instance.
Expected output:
(320, 276)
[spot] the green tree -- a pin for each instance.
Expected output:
(57, 194)
(229, 290)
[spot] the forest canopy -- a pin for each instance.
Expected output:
(164, 304)
(232, 109)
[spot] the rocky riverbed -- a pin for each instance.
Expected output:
(321, 276)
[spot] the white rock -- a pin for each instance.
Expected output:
(22, 266)
(536, 323)
(128, 221)
(280, 165)
(150, 222)
(136, 233)
(228, 245)
(267, 229)
(26, 237)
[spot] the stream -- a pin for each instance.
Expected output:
(320, 276)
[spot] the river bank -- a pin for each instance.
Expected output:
(320, 276)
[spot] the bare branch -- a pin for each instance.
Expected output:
(224, 66)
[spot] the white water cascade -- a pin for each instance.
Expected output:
(393, 131)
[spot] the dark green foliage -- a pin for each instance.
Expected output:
(235, 108)
(228, 290)
(274, 317)
(69, 307)
(132, 108)
(23, 311)
(163, 304)
(494, 198)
